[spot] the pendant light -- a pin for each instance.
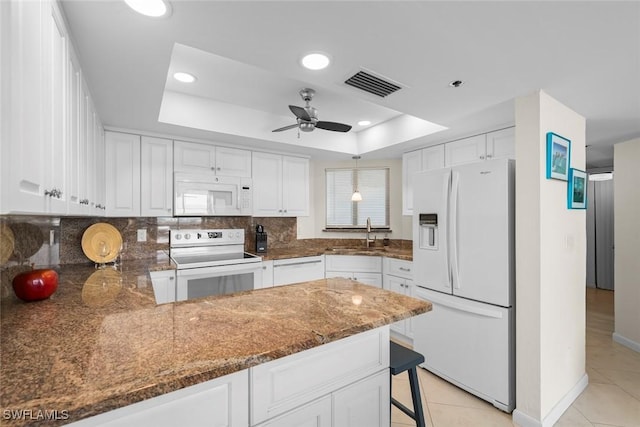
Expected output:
(356, 197)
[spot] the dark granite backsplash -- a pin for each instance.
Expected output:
(32, 235)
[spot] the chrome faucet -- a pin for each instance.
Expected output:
(368, 240)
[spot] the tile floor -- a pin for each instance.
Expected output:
(611, 399)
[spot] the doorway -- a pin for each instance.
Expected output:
(600, 232)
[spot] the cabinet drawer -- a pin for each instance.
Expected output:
(399, 267)
(351, 263)
(296, 270)
(283, 384)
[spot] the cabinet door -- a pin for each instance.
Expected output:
(373, 279)
(91, 159)
(164, 285)
(501, 144)
(433, 157)
(411, 162)
(408, 323)
(233, 162)
(398, 285)
(314, 414)
(156, 177)
(122, 174)
(56, 116)
(365, 403)
(73, 150)
(267, 184)
(193, 157)
(466, 150)
(295, 186)
(99, 175)
(350, 263)
(267, 274)
(26, 174)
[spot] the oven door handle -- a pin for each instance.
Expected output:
(220, 270)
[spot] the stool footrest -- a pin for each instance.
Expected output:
(403, 408)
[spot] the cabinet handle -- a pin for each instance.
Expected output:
(279, 210)
(355, 278)
(170, 278)
(482, 157)
(404, 269)
(489, 156)
(219, 168)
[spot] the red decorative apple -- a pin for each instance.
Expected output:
(35, 285)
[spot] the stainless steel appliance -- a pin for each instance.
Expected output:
(207, 194)
(212, 262)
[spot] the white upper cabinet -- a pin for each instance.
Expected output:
(156, 178)
(280, 185)
(195, 157)
(415, 161)
(493, 145)
(501, 144)
(122, 174)
(465, 150)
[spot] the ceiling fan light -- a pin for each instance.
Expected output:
(356, 197)
(315, 61)
(184, 77)
(152, 8)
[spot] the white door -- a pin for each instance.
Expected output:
(468, 343)
(122, 174)
(480, 232)
(295, 186)
(430, 246)
(501, 144)
(156, 177)
(411, 163)
(233, 162)
(267, 184)
(365, 403)
(193, 157)
(466, 150)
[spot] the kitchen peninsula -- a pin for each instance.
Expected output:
(101, 343)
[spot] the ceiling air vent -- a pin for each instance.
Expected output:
(372, 84)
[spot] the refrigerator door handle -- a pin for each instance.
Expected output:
(446, 192)
(453, 221)
(460, 306)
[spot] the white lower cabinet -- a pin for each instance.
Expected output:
(362, 268)
(267, 274)
(221, 402)
(340, 369)
(296, 270)
(365, 403)
(398, 277)
(164, 285)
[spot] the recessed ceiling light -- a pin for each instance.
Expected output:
(315, 61)
(184, 77)
(364, 123)
(456, 83)
(153, 8)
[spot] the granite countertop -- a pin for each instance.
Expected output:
(100, 342)
(297, 252)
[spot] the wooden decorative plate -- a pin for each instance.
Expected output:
(101, 242)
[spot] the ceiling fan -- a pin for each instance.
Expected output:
(307, 117)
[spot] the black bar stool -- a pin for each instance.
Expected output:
(404, 359)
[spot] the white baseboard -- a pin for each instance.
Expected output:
(523, 420)
(626, 342)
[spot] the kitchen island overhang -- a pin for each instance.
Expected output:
(85, 358)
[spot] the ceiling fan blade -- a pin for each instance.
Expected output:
(300, 113)
(285, 128)
(336, 127)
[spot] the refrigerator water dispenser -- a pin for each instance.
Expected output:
(428, 224)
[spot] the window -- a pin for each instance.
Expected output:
(373, 184)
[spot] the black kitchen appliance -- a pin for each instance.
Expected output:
(261, 239)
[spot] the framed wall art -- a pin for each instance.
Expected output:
(558, 153)
(577, 189)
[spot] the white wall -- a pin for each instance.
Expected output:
(626, 158)
(550, 267)
(312, 226)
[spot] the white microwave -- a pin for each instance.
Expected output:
(205, 194)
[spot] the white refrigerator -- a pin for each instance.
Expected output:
(463, 261)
